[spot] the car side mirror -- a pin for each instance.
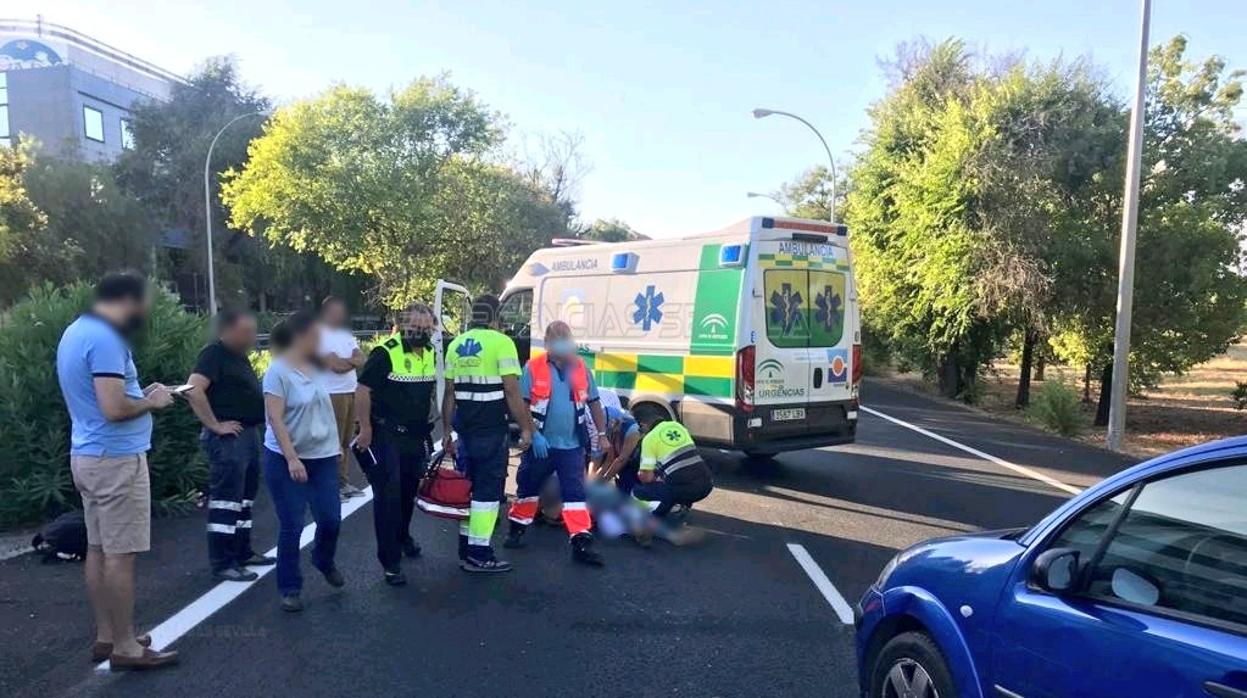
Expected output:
(1055, 570)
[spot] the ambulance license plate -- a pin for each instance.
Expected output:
(791, 414)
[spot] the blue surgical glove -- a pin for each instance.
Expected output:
(541, 447)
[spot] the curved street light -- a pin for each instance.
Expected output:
(757, 195)
(212, 307)
(763, 113)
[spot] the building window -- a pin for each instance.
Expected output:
(6, 138)
(93, 124)
(127, 137)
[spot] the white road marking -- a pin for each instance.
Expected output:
(822, 583)
(218, 596)
(1019, 469)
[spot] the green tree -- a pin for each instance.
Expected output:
(913, 226)
(809, 195)
(20, 220)
(402, 189)
(610, 230)
(165, 168)
(92, 225)
(1189, 297)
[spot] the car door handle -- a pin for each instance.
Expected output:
(1220, 690)
(818, 378)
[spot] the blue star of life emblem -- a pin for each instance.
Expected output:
(648, 308)
(469, 347)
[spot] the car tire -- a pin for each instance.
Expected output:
(912, 655)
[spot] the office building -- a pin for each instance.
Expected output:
(70, 92)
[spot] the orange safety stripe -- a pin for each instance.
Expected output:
(576, 518)
(523, 510)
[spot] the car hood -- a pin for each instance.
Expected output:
(958, 560)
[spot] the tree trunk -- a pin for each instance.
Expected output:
(1106, 395)
(1041, 362)
(1024, 377)
(1086, 386)
(949, 376)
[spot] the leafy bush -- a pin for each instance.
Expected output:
(1239, 395)
(35, 480)
(1057, 407)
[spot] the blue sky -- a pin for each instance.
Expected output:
(661, 91)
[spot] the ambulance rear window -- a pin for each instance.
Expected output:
(804, 307)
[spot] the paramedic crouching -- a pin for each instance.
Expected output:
(672, 474)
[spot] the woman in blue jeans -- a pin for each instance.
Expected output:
(300, 456)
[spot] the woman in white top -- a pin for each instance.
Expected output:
(300, 455)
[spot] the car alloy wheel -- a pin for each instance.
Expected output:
(908, 679)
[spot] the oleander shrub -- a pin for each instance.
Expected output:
(1239, 395)
(1058, 407)
(35, 480)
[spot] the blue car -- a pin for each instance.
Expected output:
(1136, 587)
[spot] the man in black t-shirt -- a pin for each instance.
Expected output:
(392, 402)
(229, 403)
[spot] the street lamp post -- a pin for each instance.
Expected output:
(763, 113)
(1129, 226)
(212, 307)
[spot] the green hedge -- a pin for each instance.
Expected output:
(35, 481)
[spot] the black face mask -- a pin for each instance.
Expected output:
(417, 339)
(133, 325)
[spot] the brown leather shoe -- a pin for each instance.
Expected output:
(150, 659)
(103, 650)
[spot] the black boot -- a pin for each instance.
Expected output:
(583, 552)
(463, 548)
(410, 549)
(515, 536)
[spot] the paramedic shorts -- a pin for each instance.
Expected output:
(116, 501)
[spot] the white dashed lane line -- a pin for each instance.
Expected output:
(220, 595)
(822, 583)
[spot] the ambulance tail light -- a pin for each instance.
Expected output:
(744, 378)
(857, 364)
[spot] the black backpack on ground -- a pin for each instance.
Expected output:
(63, 538)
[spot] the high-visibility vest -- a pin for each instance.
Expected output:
(408, 366)
(668, 448)
(539, 392)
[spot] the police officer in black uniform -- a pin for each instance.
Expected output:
(392, 402)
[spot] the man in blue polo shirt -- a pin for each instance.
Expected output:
(561, 396)
(110, 437)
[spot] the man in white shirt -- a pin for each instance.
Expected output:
(340, 356)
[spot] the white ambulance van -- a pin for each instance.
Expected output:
(750, 336)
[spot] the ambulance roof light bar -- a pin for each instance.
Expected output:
(807, 226)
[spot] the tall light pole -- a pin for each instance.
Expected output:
(763, 113)
(208, 206)
(1125, 271)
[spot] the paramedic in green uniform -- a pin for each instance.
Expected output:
(393, 400)
(671, 473)
(482, 385)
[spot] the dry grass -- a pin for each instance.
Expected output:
(1182, 411)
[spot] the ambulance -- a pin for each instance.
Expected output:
(749, 336)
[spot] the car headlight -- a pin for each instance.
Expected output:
(887, 570)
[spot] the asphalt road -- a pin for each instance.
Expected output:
(737, 616)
